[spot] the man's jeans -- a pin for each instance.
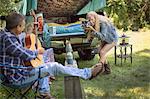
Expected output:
(54, 69)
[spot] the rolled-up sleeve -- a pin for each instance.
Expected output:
(102, 33)
(14, 48)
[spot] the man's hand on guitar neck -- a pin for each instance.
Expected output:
(41, 51)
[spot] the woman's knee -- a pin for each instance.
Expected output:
(102, 52)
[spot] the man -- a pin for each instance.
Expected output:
(14, 54)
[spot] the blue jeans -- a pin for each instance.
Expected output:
(54, 69)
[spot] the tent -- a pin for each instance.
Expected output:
(27, 5)
(93, 5)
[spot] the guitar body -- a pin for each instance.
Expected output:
(39, 60)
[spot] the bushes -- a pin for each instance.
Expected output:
(6, 6)
(129, 14)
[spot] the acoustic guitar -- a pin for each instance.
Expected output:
(39, 60)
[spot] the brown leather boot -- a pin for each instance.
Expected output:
(51, 79)
(96, 70)
(45, 96)
(107, 69)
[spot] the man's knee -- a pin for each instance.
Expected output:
(52, 63)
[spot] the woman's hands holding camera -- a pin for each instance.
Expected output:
(90, 28)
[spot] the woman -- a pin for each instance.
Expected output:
(103, 29)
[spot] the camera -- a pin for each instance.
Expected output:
(2, 17)
(86, 23)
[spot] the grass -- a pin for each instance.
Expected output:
(129, 81)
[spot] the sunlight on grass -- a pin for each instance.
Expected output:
(2, 94)
(140, 40)
(94, 91)
(144, 54)
(137, 91)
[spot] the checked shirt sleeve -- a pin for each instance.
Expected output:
(14, 48)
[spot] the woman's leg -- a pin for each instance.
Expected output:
(101, 46)
(104, 50)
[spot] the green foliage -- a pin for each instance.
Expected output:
(6, 6)
(129, 13)
(126, 14)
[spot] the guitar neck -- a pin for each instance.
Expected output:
(35, 28)
(36, 35)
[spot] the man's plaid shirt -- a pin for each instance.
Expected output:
(12, 53)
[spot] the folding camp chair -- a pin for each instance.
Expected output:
(17, 91)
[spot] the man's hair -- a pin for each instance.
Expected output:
(13, 20)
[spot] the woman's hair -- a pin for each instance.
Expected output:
(13, 20)
(28, 26)
(97, 20)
